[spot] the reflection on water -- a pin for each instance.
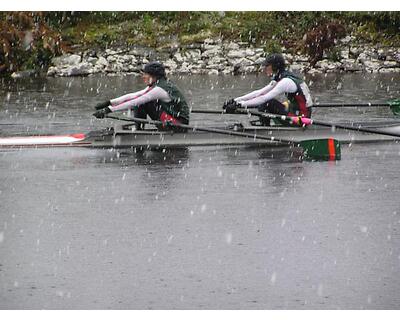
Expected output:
(160, 170)
(169, 158)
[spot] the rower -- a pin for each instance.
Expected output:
(297, 100)
(161, 100)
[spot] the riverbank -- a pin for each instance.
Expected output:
(214, 56)
(196, 42)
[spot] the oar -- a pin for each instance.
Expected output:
(308, 121)
(314, 149)
(208, 111)
(393, 104)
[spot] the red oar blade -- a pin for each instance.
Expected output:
(321, 149)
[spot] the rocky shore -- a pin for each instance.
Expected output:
(218, 57)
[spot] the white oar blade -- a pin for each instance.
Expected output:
(33, 141)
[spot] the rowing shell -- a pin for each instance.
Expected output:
(153, 139)
(79, 139)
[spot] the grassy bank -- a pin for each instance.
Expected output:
(85, 30)
(269, 28)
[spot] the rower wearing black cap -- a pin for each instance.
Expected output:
(297, 98)
(161, 99)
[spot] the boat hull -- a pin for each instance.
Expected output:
(157, 139)
(153, 139)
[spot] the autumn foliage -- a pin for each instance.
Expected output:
(27, 40)
(321, 38)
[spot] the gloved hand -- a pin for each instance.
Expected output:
(102, 105)
(100, 114)
(228, 102)
(231, 108)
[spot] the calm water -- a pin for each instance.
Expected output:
(200, 228)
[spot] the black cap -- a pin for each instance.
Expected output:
(155, 69)
(277, 62)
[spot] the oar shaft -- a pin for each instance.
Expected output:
(394, 105)
(359, 128)
(350, 105)
(321, 123)
(318, 105)
(316, 122)
(319, 149)
(208, 111)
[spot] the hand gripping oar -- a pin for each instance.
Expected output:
(393, 104)
(314, 149)
(307, 121)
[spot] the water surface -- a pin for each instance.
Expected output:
(196, 228)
